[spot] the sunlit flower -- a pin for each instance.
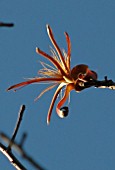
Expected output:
(59, 74)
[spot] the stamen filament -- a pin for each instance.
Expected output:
(53, 101)
(68, 50)
(34, 80)
(52, 60)
(49, 30)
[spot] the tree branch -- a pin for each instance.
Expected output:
(7, 151)
(13, 160)
(3, 24)
(20, 115)
(100, 84)
(18, 147)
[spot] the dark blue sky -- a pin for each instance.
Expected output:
(85, 140)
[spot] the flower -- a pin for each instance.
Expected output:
(60, 74)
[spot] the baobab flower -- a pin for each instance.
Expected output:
(60, 74)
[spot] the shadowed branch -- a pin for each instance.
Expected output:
(18, 147)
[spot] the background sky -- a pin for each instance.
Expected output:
(85, 140)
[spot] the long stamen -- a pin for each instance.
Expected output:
(60, 113)
(53, 101)
(49, 30)
(35, 80)
(46, 66)
(68, 49)
(45, 90)
(54, 54)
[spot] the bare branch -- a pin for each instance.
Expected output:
(20, 115)
(100, 84)
(21, 151)
(13, 160)
(7, 151)
(3, 24)
(23, 140)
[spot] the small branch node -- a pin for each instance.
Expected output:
(24, 136)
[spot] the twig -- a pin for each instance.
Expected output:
(22, 140)
(7, 150)
(21, 151)
(100, 84)
(13, 160)
(20, 115)
(2, 24)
